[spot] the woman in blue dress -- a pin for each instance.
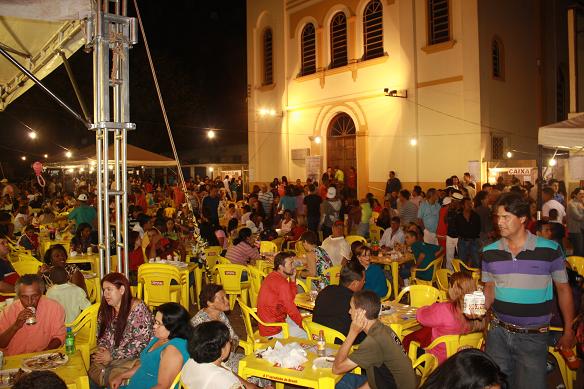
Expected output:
(165, 355)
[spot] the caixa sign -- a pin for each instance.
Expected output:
(519, 171)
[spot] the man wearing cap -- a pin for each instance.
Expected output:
(330, 211)
(336, 246)
(83, 213)
(454, 209)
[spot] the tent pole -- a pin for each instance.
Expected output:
(75, 85)
(43, 87)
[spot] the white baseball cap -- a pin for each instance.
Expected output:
(446, 200)
(331, 193)
(82, 197)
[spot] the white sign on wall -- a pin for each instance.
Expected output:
(313, 164)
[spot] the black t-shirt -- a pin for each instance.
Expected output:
(331, 309)
(312, 203)
(468, 229)
(5, 268)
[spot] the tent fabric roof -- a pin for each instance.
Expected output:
(135, 156)
(34, 32)
(567, 134)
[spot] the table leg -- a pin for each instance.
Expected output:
(326, 383)
(185, 293)
(395, 278)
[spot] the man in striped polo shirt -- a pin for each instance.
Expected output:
(518, 271)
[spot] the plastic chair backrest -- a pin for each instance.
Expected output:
(299, 248)
(313, 330)
(355, 238)
(389, 290)
(268, 247)
(442, 279)
(85, 325)
(434, 265)
(26, 257)
(577, 264)
(374, 216)
(212, 255)
(255, 277)
(455, 343)
(27, 267)
(264, 266)
(375, 232)
(459, 265)
(334, 274)
(247, 314)
(424, 366)
(230, 276)
(156, 279)
(420, 295)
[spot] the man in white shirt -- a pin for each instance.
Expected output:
(549, 204)
(394, 234)
(336, 246)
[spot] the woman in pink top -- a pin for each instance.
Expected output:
(447, 318)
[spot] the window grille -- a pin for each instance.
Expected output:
(438, 21)
(373, 30)
(308, 50)
(498, 59)
(497, 147)
(339, 40)
(268, 58)
(342, 125)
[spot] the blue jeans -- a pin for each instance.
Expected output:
(468, 251)
(351, 381)
(522, 357)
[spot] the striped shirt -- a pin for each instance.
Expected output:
(523, 284)
(241, 253)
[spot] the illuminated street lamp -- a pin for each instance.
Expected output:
(23, 157)
(68, 154)
(552, 162)
(413, 142)
(211, 134)
(46, 155)
(32, 135)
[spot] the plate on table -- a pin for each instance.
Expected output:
(323, 363)
(88, 274)
(9, 376)
(45, 361)
(178, 264)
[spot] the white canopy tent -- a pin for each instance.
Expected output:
(567, 134)
(35, 32)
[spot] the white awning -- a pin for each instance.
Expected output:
(567, 134)
(34, 32)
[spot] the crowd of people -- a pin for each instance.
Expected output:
(494, 229)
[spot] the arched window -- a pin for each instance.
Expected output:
(308, 50)
(438, 21)
(338, 40)
(342, 125)
(498, 59)
(373, 30)
(268, 58)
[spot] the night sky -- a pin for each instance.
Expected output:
(199, 51)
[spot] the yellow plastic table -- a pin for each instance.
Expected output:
(404, 315)
(73, 372)
(303, 300)
(252, 366)
(388, 261)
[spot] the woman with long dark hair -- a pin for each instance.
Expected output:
(166, 353)
(124, 328)
(82, 239)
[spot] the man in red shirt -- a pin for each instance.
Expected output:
(276, 299)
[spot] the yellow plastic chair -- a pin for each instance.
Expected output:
(84, 327)
(375, 232)
(568, 375)
(424, 366)
(155, 284)
(212, 255)
(333, 273)
(577, 264)
(313, 331)
(302, 285)
(442, 276)
(230, 277)
(24, 256)
(264, 266)
(453, 343)
(27, 267)
(177, 383)
(420, 295)
(355, 238)
(459, 265)
(268, 247)
(299, 248)
(254, 340)
(389, 289)
(434, 266)
(374, 216)
(93, 289)
(256, 277)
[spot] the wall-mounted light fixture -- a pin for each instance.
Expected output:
(316, 139)
(269, 112)
(401, 93)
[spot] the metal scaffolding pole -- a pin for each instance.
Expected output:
(117, 33)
